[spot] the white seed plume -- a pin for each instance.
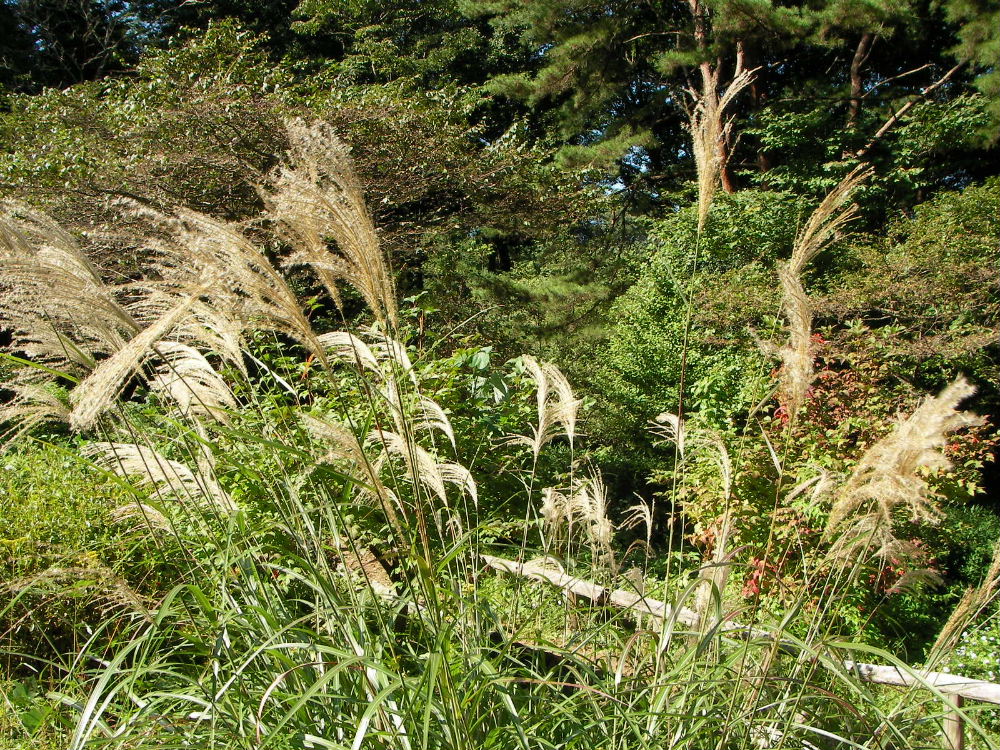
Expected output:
(316, 197)
(709, 129)
(188, 380)
(96, 393)
(890, 477)
(31, 404)
(163, 476)
(51, 297)
(824, 226)
(556, 406)
(423, 468)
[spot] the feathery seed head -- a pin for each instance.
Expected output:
(823, 227)
(889, 477)
(315, 198)
(165, 477)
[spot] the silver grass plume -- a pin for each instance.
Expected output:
(96, 393)
(889, 479)
(582, 509)
(51, 295)
(669, 427)
(191, 248)
(556, 406)
(417, 414)
(381, 356)
(640, 514)
(342, 445)
(386, 357)
(423, 468)
(215, 329)
(31, 404)
(164, 477)
(391, 351)
(432, 417)
(709, 130)
(349, 348)
(824, 226)
(140, 517)
(316, 197)
(555, 511)
(693, 438)
(109, 590)
(590, 504)
(187, 379)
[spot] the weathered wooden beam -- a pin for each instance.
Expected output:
(954, 727)
(949, 684)
(618, 597)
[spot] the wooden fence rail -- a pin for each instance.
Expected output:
(955, 686)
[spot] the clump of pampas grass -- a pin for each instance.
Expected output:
(210, 280)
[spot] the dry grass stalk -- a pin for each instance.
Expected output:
(316, 197)
(51, 297)
(710, 129)
(163, 476)
(890, 478)
(824, 226)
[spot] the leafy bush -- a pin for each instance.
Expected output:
(663, 333)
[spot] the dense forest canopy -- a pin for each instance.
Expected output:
(348, 302)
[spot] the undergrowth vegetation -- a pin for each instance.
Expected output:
(239, 515)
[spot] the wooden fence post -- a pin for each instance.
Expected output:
(954, 726)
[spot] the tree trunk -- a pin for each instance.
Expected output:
(857, 81)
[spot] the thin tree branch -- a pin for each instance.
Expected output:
(899, 113)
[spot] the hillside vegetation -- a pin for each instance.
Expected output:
(474, 375)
